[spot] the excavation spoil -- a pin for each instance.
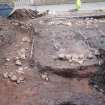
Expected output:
(25, 14)
(21, 14)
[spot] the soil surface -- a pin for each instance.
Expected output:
(64, 45)
(49, 61)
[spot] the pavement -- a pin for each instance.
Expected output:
(67, 7)
(64, 7)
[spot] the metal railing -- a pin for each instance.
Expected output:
(23, 3)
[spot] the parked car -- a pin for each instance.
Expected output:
(6, 7)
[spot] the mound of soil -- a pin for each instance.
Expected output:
(24, 14)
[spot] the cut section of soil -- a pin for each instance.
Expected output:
(98, 79)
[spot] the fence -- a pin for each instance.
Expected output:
(24, 2)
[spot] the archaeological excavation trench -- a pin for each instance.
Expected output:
(52, 61)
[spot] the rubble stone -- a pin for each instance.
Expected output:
(26, 39)
(20, 79)
(22, 53)
(13, 78)
(5, 75)
(18, 62)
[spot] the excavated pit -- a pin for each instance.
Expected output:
(68, 46)
(65, 51)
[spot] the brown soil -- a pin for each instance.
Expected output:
(25, 14)
(31, 72)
